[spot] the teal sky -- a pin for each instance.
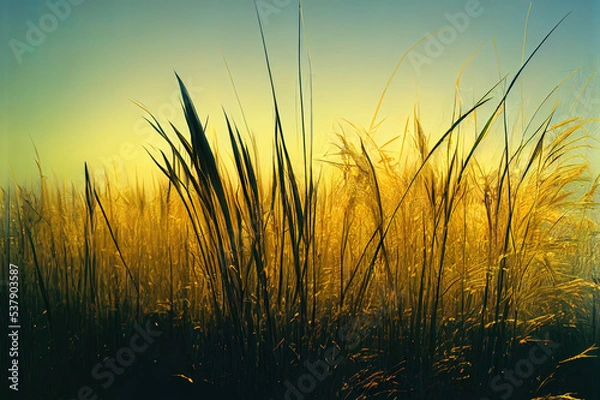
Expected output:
(69, 90)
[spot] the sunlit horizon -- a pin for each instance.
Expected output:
(71, 96)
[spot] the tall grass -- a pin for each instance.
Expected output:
(251, 275)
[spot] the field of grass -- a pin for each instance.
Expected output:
(418, 269)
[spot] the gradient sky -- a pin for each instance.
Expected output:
(70, 92)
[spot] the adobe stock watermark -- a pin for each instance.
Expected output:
(128, 151)
(504, 384)
(350, 336)
(38, 31)
(268, 7)
(104, 372)
(436, 44)
(587, 96)
(14, 327)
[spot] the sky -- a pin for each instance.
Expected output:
(72, 70)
